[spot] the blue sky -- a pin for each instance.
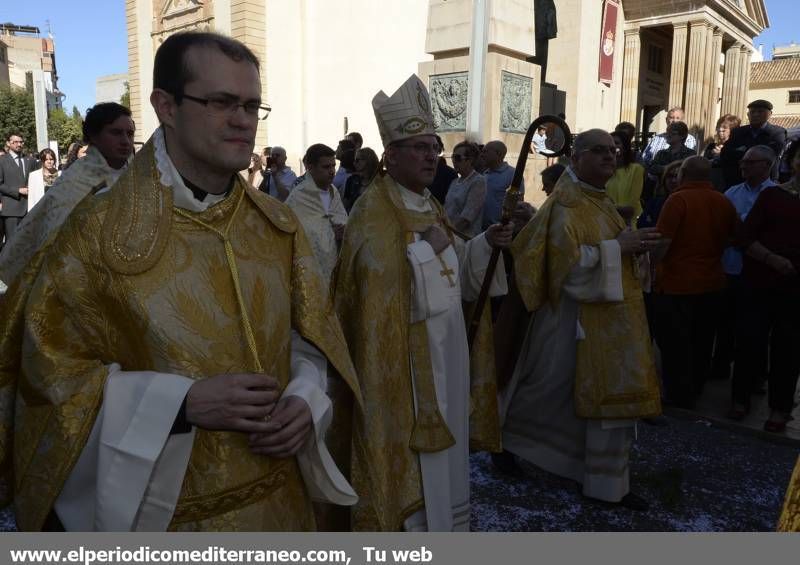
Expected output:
(91, 37)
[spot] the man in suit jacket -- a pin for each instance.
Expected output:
(14, 171)
(758, 132)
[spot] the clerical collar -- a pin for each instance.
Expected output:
(200, 194)
(574, 176)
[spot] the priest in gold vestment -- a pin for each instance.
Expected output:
(168, 371)
(399, 286)
(586, 370)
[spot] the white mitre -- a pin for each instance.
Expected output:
(405, 114)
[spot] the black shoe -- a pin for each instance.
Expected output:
(630, 501)
(506, 462)
(659, 421)
(635, 502)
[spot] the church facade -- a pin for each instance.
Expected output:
(598, 61)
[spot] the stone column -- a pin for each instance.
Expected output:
(713, 82)
(630, 77)
(696, 73)
(730, 80)
(248, 25)
(744, 82)
(677, 76)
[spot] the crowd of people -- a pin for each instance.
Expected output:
(234, 342)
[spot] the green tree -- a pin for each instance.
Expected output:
(17, 115)
(64, 129)
(76, 114)
(125, 99)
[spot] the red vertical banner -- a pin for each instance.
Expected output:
(608, 41)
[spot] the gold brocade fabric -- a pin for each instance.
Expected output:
(131, 281)
(372, 295)
(615, 373)
(790, 516)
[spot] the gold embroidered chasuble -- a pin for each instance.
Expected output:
(373, 294)
(790, 515)
(132, 280)
(615, 374)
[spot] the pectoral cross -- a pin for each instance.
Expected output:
(447, 272)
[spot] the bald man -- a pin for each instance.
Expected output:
(586, 370)
(740, 309)
(499, 175)
(697, 224)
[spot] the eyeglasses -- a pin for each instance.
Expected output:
(458, 158)
(603, 150)
(226, 106)
(421, 148)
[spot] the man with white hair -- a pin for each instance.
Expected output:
(399, 285)
(750, 371)
(585, 373)
(661, 141)
(279, 178)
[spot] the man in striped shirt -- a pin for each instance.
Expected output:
(659, 142)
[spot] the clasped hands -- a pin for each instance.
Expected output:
(638, 241)
(251, 403)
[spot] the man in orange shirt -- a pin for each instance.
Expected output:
(697, 223)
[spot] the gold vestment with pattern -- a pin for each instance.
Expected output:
(131, 280)
(373, 299)
(615, 374)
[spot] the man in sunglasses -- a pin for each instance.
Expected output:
(176, 340)
(586, 371)
(401, 278)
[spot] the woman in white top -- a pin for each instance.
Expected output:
(41, 180)
(467, 193)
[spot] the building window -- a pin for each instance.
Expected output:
(655, 59)
(794, 97)
(2, 55)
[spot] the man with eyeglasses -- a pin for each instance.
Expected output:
(14, 171)
(176, 340)
(737, 316)
(586, 370)
(661, 141)
(279, 178)
(399, 285)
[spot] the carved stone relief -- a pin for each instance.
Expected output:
(171, 16)
(449, 101)
(516, 93)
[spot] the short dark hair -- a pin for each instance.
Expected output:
(47, 151)
(317, 152)
(356, 138)
(99, 116)
(12, 134)
(680, 128)
(626, 128)
(553, 173)
(170, 71)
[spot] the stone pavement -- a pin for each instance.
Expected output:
(701, 472)
(696, 475)
(716, 400)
